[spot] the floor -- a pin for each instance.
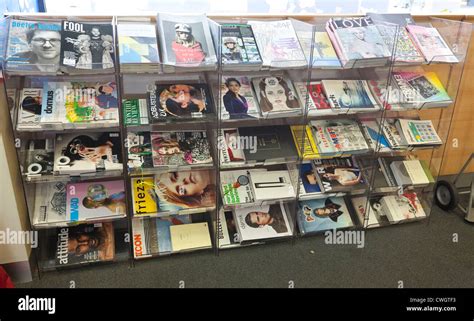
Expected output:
(422, 254)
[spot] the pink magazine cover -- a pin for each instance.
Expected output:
(93, 200)
(335, 44)
(431, 44)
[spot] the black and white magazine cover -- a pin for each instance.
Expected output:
(88, 46)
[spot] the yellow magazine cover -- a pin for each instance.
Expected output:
(144, 196)
(310, 148)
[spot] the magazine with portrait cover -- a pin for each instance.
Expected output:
(277, 97)
(269, 143)
(230, 149)
(316, 102)
(138, 46)
(190, 191)
(139, 150)
(357, 39)
(50, 204)
(278, 44)
(309, 185)
(370, 213)
(239, 47)
(38, 157)
(349, 96)
(152, 235)
(81, 244)
(87, 47)
(237, 98)
(33, 47)
(186, 41)
(181, 148)
(180, 101)
(323, 214)
(77, 154)
(92, 201)
(431, 44)
(339, 175)
(262, 222)
(94, 103)
(339, 137)
(29, 109)
(227, 235)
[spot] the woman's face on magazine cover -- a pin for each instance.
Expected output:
(276, 95)
(234, 87)
(359, 34)
(187, 183)
(169, 150)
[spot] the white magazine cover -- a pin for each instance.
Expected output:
(262, 222)
(186, 40)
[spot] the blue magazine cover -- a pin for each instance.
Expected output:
(309, 180)
(323, 214)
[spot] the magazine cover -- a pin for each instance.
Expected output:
(303, 138)
(135, 112)
(87, 46)
(90, 102)
(431, 44)
(402, 207)
(370, 212)
(185, 190)
(359, 38)
(237, 98)
(152, 235)
(80, 244)
(268, 143)
(86, 201)
(338, 136)
(338, 174)
(138, 43)
(186, 40)
(226, 230)
(349, 95)
(262, 222)
(39, 157)
(271, 185)
(376, 139)
(76, 154)
(316, 102)
(140, 152)
(397, 38)
(392, 135)
(276, 94)
(420, 89)
(308, 180)
(230, 148)
(29, 111)
(180, 101)
(323, 214)
(236, 187)
(180, 148)
(145, 200)
(50, 204)
(239, 45)
(33, 47)
(278, 44)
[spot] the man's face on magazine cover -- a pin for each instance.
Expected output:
(46, 44)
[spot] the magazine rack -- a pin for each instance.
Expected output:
(136, 231)
(110, 229)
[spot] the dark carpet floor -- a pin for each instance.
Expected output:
(420, 254)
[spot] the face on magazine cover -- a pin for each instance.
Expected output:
(276, 95)
(182, 100)
(273, 218)
(85, 242)
(186, 183)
